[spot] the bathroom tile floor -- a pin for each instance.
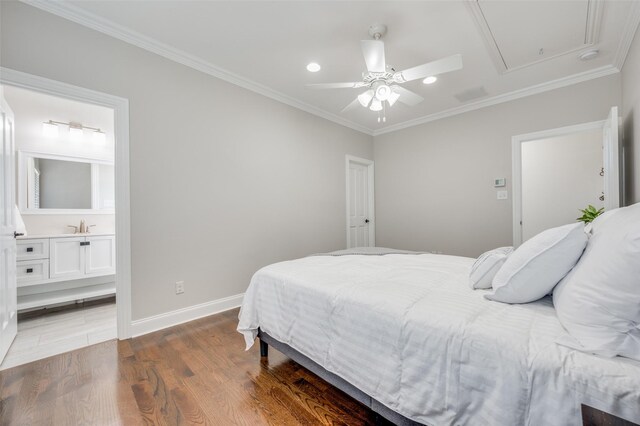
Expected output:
(43, 336)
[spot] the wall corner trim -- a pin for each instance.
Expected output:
(179, 316)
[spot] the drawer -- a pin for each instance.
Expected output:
(33, 249)
(32, 271)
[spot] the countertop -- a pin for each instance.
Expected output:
(92, 234)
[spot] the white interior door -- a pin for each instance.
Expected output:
(611, 145)
(360, 215)
(8, 289)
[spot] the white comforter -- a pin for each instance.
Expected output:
(408, 331)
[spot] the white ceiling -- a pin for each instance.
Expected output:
(266, 45)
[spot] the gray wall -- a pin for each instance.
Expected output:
(223, 180)
(631, 120)
(434, 182)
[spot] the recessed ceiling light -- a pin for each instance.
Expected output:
(589, 54)
(313, 67)
(430, 80)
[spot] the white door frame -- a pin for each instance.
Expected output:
(516, 161)
(120, 107)
(371, 177)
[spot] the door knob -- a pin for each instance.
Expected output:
(366, 221)
(17, 234)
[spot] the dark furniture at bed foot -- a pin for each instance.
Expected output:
(264, 348)
(594, 417)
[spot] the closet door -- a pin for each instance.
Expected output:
(101, 255)
(67, 257)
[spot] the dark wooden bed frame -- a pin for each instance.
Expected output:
(590, 415)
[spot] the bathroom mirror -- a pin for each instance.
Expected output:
(57, 184)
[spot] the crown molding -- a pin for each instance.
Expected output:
(105, 26)
(80, 16)
(506, 97)
(628, 33)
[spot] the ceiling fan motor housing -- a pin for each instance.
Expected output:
(377, 31)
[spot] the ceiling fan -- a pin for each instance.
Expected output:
(383, 81)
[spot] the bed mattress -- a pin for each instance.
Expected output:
(407, 330)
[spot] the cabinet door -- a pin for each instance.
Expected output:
(101, 255)
(66, 257)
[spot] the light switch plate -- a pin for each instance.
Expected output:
(502, 195)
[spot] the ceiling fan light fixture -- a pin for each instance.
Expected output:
(376, 105)
(430, 80)
(382, 92)
(393, 97)
(313, 67)
(365, 98)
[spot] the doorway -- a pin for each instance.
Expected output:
(87, 260)
(360, 202)
(559, 172)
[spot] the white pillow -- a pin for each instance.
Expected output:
(599, 301)
(486, 266)
(539, 264)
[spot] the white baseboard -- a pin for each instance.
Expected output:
(179, 316)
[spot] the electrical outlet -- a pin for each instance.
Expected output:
(179, 287)
(502, 195)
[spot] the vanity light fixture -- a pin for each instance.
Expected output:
(75, 132)
(99, 136)
(51, 128)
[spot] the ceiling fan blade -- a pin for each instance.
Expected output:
(353, 85)
(351, 106)
(407, 97)
(373, 51)
(450, 63)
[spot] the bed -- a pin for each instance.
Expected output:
(404, 333)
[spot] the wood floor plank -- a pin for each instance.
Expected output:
(196, 373)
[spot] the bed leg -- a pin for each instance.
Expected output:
(264, 348)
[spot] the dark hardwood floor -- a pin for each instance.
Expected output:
(193, 373)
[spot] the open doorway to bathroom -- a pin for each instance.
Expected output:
(65, 220)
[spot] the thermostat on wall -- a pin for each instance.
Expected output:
(499, 183)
